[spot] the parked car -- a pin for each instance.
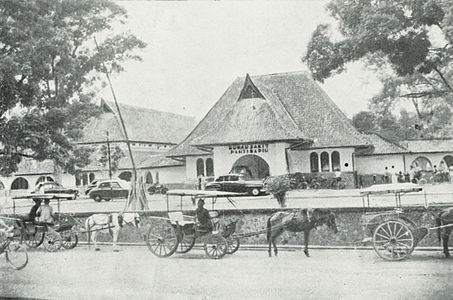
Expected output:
(236, 183)
(96, 181)
(51, 187)
(108, 189)
(157, 188)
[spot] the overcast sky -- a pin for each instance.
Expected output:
(196, 49)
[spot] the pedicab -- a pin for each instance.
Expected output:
(394, 235)
(53, 236)
(178, 233)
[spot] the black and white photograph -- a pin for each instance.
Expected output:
(226, 149)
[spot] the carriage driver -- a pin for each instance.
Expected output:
(45, 213)
(203, 217)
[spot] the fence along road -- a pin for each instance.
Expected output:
(434, 194)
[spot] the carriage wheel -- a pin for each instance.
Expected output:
(52, 241)
(34, 240)
(69, 239)
(162, 240)
(233, 244)
(215, 246)
(393, 240)
(16, 255)
(186, 243)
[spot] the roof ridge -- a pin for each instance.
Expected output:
(390, 141)
(146, 108)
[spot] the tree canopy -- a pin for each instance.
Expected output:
(407, 42)
(48, 66)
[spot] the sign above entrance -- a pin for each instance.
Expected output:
(248, 148)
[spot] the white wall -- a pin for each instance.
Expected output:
(375, 164)
(275, 158)
(166, 175)
(299, 160)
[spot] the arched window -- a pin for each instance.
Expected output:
(2, 186)
(85, 179)
(314, 166)
(325, 167)
(149, 177)
(336, 161)
(78, 179)
(200, 167)
(92, 177)
(209, 167)
(44, 179)
(157, 177)
(19, 183)
(126, 176)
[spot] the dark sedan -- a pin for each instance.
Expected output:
(236, 183)
(107, 190)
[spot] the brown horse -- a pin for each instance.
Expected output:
(301, 220)
(445, 217)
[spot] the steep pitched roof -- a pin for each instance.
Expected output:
(142, 124)
(382, 146)
(294, 108)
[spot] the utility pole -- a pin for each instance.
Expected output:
(108, 153)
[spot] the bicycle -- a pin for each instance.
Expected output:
(15, 252)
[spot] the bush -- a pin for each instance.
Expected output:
(278, 186)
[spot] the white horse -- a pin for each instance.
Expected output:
(109, 223)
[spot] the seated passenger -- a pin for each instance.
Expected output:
(34, 211)
(203, 217)
(45, 213)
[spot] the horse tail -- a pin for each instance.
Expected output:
(268, 229)
(87, 228)
(439, 230)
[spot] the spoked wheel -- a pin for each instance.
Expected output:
(215, 246)
(233, 244)
(34, 240)
(69, 239)
(52, 241)
(186, 243)
(161, 239)
(393, 240)
(16, 255)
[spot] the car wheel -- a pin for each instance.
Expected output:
(255, 192)
(97, 198)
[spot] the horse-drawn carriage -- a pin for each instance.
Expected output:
(179, 233)
(394, 235)
(52, 236)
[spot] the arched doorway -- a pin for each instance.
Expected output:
(252, 166)
(19, 183)
(421, 163)
(447, 161)
(149, 178)
(44, 179)
(91, 177)
(126, 176)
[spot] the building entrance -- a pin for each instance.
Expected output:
(253, 166)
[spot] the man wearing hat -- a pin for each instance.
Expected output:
(203, 217)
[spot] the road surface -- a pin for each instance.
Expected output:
(135, 273)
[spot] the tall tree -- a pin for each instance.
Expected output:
(409, 42)
(48, 64)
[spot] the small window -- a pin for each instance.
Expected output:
(200, 167)
(325, 167)
(209, 167)
(104, 185)
(116, 185)
(234, 178)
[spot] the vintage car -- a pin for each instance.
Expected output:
(108, 189)
(51, 187)
(238, 183)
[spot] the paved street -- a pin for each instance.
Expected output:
(135, 272)
(435, 194)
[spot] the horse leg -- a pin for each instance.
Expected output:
(93, 239)
(115, 239)
(275, 247)
(306, 238)
(446, 235)
(270, 245)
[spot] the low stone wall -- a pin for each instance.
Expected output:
(348, 221)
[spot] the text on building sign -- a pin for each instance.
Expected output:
(248, 148)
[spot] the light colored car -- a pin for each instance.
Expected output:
(236, 183)
(51, 187)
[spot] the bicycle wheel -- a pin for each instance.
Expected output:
(16, 255)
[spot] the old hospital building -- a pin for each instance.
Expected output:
(262, 125)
